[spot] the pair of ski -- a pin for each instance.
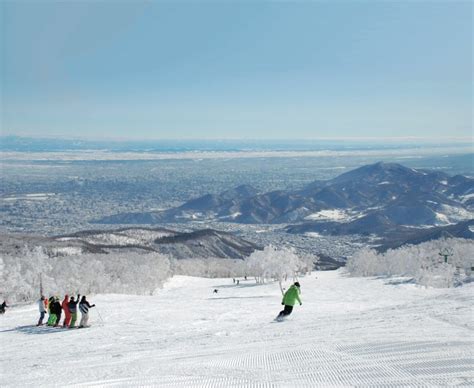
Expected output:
(61, 327)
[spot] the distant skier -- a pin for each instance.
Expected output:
(3, 307)
(67, 314)
(289, 300)
(84, 307)
(215, 291)
(73, 310)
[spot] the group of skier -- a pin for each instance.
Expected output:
(55, 307)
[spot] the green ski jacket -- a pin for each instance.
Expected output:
(291, 296)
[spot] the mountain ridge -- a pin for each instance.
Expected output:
(207, 243)
(403, 195)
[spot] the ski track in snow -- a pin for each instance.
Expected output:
(349, 332)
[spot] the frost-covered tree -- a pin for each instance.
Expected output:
(365, 262)
(422, 262)
(276, 264)
(128, 273)
(307, 262)
(20, 276)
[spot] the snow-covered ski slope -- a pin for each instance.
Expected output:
(349, 332)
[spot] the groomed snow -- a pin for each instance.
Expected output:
(349, 332)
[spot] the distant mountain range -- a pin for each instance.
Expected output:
(372, 199)
(207, 243)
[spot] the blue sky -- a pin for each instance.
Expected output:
(263, 70)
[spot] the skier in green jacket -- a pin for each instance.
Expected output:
(289, 300)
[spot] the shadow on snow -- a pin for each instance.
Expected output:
(33, 329)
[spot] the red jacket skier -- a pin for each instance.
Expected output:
(65, 306)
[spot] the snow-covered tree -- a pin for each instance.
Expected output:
(421, 262)
(276, 264)
(364, 263)
(20, 275)
(129, 273)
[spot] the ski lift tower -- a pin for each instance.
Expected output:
(446, 252)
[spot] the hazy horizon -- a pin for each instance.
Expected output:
(356, 139)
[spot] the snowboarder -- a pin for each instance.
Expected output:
(67, 314)
(289, 300)
(42, 310)
(215, 291)
(3, 307)
(73, 310)
(84, 307)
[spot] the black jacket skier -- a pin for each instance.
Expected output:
(57, 310)
(73, 304)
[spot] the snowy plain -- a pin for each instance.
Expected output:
(348, 332)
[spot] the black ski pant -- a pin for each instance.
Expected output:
(286, 311)
(58, 314)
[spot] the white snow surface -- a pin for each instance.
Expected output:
(329, 214)
(29, 197)
(123, 238)
(348, 332)
(442, 218)
(456, 214)
(67, 251)
(466, 197)
(313, 234)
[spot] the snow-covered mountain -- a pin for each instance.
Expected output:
(374, 194)
(198, 244)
